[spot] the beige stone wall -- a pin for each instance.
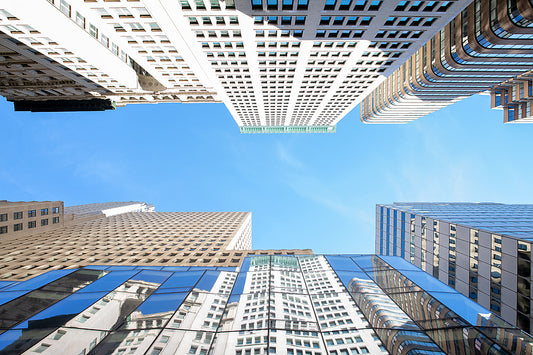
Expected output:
(157, 238)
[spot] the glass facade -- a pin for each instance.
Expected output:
(332, 304)
(483, 250)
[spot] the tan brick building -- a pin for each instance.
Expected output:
(134, 238)
(23, 218)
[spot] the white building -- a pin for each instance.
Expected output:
(278, 65)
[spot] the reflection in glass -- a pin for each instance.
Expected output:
(68, 341)
(16, 341)
(61, 312)
(74, 281)
(182, 342)
(155, 311)
(132, 342)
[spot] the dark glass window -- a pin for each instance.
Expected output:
(44, 222)
(55, 220)
(32, 224)
(3, 217)
(3, 229)
(44, 211)
(18, 215)
(17, 227)
(32, 213)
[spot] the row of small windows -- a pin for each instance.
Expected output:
(216, 34)
(207, 4)
(280, 44)
(399, 34)
(280, 20)
(285, 4)
(31, 224)
(340, 20)
(218, 20)
(281, 33)
(409, 21)
(332, 44)
(427, 6)
(341, 34)
(358, 5)
(31, 213)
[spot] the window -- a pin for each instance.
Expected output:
(59, 334)
(43, 346)
(32, 224)
(55, 220)
(18, 215)
(44, 222)
(3, 229)
(3, 217)
(44, 211)
(93, 31)
(17, 227)
(32, 213)
(65, 7)
(80, 20)
(55, 210)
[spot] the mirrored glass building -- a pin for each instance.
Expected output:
(483, 250)
(313, 304)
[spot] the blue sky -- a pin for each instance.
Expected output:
(304, 190)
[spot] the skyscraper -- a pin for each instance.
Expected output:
(314, 304)
(487, 44)
(512, 97)
(121, 233)
(278, 65)
(483, 250)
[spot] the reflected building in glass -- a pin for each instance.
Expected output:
(270, 304)
(483, 250)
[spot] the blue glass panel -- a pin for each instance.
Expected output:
(110, 281)
(342, 263)
(96, 267)
(6, 296)
(238, 287)
(173, 289)
(399, 263)
(40, 280)
(199, 268)
(162, 303)
(121, 267)
(152, 276)
(4, 284)
(461, 305)
(207, 281)
(61, 312)
(364, 262)
(175, 268)
(182, 279)
(426, 281)
(148, 267)
(245, 266)
(347, 276)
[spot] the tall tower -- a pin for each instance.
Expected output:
(486, 44)
(278, 65)
(483, 250)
